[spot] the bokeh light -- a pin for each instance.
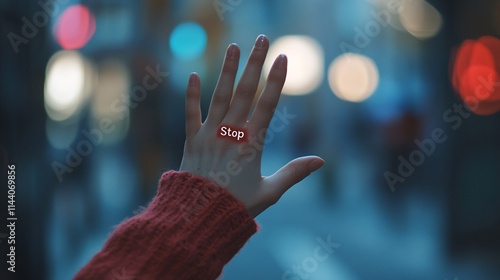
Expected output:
(305, 63)
(353, 77)
(65, 84)
(476, 75)
(112, 89)
(111, 101)
(188, 40)
(74, 27)
(420, 18)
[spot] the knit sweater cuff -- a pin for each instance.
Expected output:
(190, 230)
(210, 223)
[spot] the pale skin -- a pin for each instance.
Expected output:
(205, 152)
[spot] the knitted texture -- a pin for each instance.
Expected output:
(190, 230)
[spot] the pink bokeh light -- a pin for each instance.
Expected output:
(74, 27)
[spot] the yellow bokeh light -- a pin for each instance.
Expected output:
(353, 77)
(420, 18)
(305, 63)
(112, 89)
(112, 101)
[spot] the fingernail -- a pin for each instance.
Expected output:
(282, 59)
(259, 43)
(315, 164)
(193, 78)
(231, 50)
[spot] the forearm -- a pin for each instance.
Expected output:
(190, 230)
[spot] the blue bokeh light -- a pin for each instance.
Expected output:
(188, 40)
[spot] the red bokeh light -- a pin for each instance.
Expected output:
(476, 74)
(75, 27)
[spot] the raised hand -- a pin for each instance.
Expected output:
(235, 162)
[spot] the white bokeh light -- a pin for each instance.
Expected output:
(64, 84)
(305, 63)
(353, 77)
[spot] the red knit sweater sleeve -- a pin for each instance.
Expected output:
(190, 230)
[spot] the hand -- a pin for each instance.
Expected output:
(236, 165)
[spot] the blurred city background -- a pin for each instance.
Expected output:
(400, 97)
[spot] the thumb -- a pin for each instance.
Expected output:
(292, 173)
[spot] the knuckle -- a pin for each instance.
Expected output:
(271, 198)
(230, 68)
(192, 110)
(246, 89)
(295, 174)
(275, 76)
(267, 104)
(257, 57)
(220, 98)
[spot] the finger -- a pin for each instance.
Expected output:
(292, 173)
(224, 89)
(269, 98)
(247, 86)
(193, 111)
